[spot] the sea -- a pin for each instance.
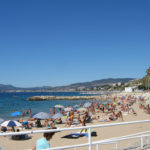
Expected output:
(19, 102)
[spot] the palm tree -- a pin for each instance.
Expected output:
(145, 80)
(148, 72)
(148, 77)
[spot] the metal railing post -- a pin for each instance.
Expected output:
(148, 140)
(116, 146)
(90, 140)
(97, 147)
(142, 143)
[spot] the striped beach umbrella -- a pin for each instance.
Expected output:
(11, 123)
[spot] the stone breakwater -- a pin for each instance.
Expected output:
(145, 95)
(43, 98)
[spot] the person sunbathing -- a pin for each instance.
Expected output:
(132, 111)
(58, 121)
(69, 121)
(3, 129)
(20, 137)
(46, 124)
(147, 110)
(105, 119)
(120, 116)
(112, 117)
(38, 123)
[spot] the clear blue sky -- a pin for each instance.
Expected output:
(66, 41)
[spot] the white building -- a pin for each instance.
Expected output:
(129, 89)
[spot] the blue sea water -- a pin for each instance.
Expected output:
(19, 102)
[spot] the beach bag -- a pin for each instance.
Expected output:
(93, 133)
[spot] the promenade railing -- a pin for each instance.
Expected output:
(115, 140)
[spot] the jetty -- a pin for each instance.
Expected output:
(43, 98)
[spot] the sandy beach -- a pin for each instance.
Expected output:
(103, 133)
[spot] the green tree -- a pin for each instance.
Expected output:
(148, 72)
(145, 80)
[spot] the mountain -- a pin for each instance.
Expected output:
(94, 84)
(72, 87)
(7, 87)
(103, 82)
(11, 87)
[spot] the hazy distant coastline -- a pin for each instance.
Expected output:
(103, 84)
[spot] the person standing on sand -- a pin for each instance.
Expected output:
(30, 112)
(51, 111)
(23, 113)
(83, 123)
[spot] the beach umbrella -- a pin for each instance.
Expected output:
(68, 109)
(41, 115)
(11, 123)
(1, 120)
(16, 113)
(88, 104)
(57, 116)
(59, 106)
(81, 109)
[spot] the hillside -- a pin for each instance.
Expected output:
(96, 84)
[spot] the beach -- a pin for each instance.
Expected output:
(102, 133)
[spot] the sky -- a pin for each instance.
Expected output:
(52, 43)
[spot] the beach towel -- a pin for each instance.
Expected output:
(77, 134)
(73, 136)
